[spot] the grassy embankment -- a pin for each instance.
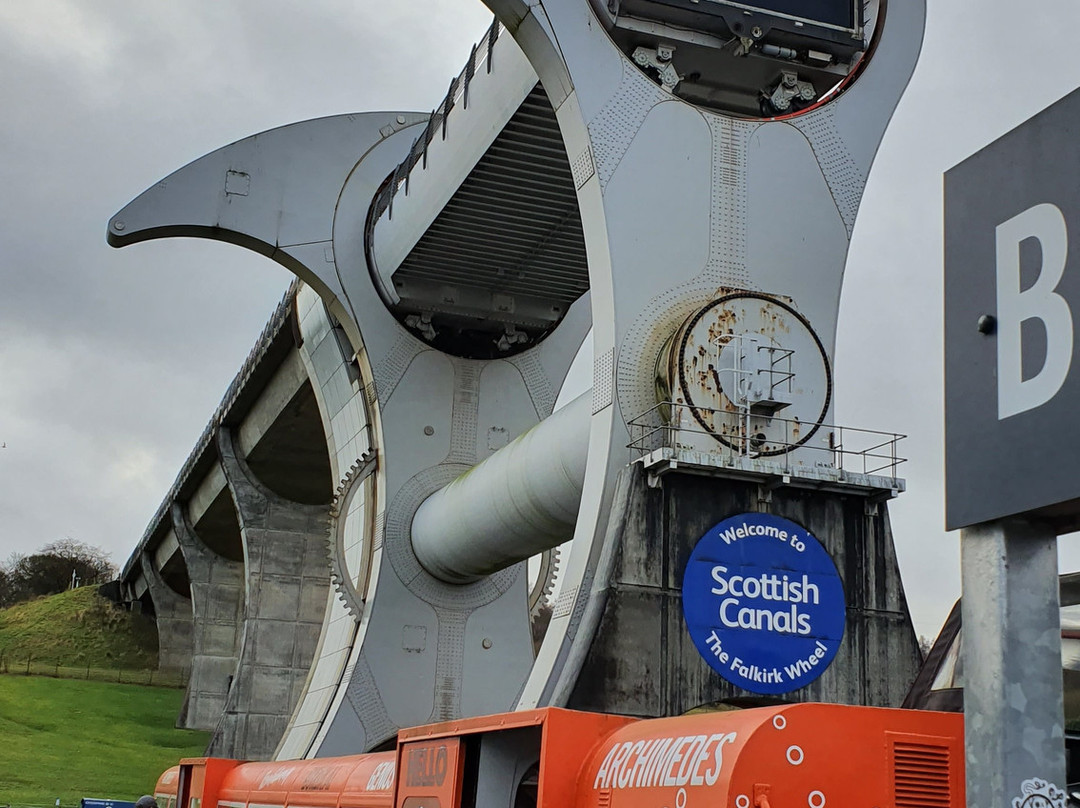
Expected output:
(76, 629)
(65, 739)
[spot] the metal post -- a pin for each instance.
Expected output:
(1013, 707)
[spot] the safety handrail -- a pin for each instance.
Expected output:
(458, 91)
(872, 451)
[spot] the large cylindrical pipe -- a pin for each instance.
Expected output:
(520, 501)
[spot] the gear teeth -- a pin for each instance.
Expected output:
(545, 581)
(540, 595)
(359, 471)
(556, 560)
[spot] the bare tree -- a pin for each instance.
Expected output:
(6, 590)
(925, 644)
(54, 568)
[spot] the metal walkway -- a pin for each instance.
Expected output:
(500, 263)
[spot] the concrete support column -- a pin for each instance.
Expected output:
(217, 601)
(174, 620)
(1013, 704)
(641, 660)
(286, 582)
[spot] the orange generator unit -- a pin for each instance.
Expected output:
(790, 756)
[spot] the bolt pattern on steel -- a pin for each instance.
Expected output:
(520, 501)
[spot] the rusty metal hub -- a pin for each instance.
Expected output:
(751, 372)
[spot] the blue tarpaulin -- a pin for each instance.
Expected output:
(91, 803)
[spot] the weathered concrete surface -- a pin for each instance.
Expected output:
(217, 601)
(642, 660)
(285, 599)
(173, 615)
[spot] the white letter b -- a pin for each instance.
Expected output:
(1046, 223)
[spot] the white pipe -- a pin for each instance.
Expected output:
(520, 501)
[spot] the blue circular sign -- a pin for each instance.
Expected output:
(763, 603)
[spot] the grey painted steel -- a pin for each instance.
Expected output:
(284, 602)
(172, 613)
(1012, 218)
(245, 194)
(437, 416)
(519, 502)
(760, 205)
(346, 414)
(477, 234)
(506, 256)
(424, 650)
(764, 206)
(593, 609)
(1013, 705)
(701, 50)
(217, 601)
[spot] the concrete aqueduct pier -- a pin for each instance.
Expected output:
(233, 565)
(681, 178)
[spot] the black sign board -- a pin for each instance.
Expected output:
(1012, 316)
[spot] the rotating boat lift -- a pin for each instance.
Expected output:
(680, 177)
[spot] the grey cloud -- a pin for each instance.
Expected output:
(111, 362)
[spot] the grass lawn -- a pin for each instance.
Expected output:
(70, 739)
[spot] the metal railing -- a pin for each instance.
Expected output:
(672, 425)
(458, 91)
(28, 666)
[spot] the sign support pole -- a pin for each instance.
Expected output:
(1013, 700)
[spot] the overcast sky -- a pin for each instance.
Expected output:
(112, 361)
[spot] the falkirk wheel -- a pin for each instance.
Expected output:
(681, 177)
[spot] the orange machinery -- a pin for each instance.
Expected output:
(813, 755)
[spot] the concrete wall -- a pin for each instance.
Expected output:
(173, 614)
(233, 564)
(286, 587)
(217, 598)
(643, 662)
